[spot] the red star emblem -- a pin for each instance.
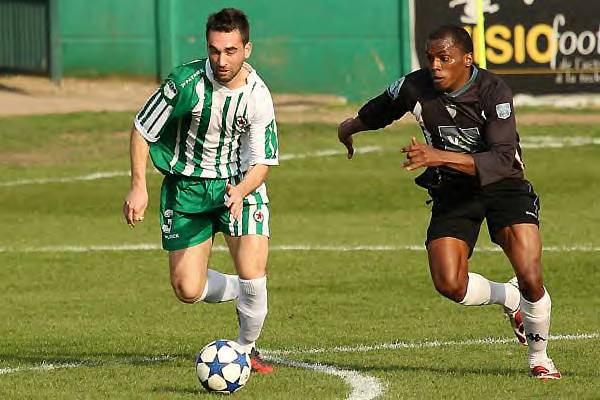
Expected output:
(259, 216)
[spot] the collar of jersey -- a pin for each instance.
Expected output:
(209, 74)
(467, 85)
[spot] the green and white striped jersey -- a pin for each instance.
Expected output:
(198, 127)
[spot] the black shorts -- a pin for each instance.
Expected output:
(458, 210)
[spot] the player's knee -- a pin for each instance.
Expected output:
(187, 293)
(453, 290)
(531, 284)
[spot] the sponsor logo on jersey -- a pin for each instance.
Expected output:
(258, 216)
(241, 124)
(503, 110)
(170, 89)
(190, 78)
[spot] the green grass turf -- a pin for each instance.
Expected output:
(112, 314)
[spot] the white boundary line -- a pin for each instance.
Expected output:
(68, 179)
(44, 367)
(116, 174)
(297, 247)
(421, 345)
(552, 142)
(364, 387)
(531, 142)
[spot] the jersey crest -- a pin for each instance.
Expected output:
(503, 110)
(394, 88)
(170, 89)
(242, 124)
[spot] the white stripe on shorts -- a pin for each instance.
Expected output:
(252, 228)
(266, 212)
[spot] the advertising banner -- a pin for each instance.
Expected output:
(537, 46)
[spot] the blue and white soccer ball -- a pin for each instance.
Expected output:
(222, 366)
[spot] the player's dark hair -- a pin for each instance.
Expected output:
(228, 20)
(459, 36)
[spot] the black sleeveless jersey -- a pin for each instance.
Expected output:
(477, 119)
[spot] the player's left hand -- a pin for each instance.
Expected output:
(234, 201)
(420, 155)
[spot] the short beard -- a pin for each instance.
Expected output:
(228, 80)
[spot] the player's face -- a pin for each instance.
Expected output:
(450, 67)
(227, 53)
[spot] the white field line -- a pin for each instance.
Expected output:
(330, 152)
(116, 174)
(44, 367)
(420, 345)
(68, 179)
(533, 142)
(364, 387)
(551, 142)
(299, 247)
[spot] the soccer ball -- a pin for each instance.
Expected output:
(222, 366)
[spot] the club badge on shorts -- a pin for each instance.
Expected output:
(258, 216)
(503, 110)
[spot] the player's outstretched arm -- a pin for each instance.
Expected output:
(422, 155)
(137, 198)
(235, 194)
(346, 129)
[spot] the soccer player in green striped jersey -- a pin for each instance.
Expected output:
(210, 129)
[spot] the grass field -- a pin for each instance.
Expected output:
(84, 316)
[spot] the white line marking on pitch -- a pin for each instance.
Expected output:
(421, 345)
(116, 174)
(550, 142)
(68, 179)
(43, 367)
(299, 247)
(532, 142)
(364, 387)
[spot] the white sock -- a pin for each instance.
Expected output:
(481, 291)
(536, 319)
(252, 310)
(219, 287)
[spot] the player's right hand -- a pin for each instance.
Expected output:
(345, 131)
(135, 205)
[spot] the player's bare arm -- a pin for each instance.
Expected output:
(137, 198)
(422, 155)
(346, 129)
(235, 194)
